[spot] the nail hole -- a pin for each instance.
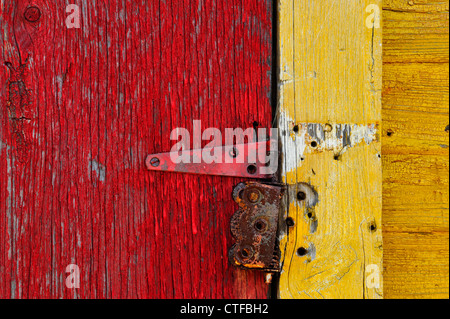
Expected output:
(296, 129)
(310, 215)
(268, 155)
(290, 222)
(251, 169)
(302, 252)
(314, 144)
(390, 133)
(337, 157)
(301, 196)
(373, 227)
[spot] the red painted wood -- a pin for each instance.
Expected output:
(80, 111)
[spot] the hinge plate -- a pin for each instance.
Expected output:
(255, 226)
(231, 161)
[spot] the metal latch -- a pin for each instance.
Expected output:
(255, 225)
(227, 161)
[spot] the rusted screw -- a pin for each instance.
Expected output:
(247, 253)
(32, 14)
(253, 196)
(261, 226)
(155, 162)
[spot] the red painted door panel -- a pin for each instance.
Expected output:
(80, 110)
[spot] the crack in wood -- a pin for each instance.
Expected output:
(18, 102)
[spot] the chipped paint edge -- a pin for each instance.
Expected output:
(336, 138)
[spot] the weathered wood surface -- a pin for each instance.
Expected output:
(80, 109)
(330, 75)
(72, 145)
(416, 148)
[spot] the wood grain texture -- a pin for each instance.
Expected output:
(80, 109)
(330, 74)
(415, 31)
(416, 149)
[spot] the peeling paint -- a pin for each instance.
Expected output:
(99, 169)
(3, 146)
(310, 138)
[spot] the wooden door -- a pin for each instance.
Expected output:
(81, 108)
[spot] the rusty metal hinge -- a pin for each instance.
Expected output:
(255, 225)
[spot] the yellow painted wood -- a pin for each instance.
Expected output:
(416, 149)
(331, 73)
(415, 31)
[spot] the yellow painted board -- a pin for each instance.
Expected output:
(428, 6)
(329, 115)
(416, 148)
(415, 31)
(416, 265)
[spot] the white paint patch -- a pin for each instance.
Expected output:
(310, 138)
(293, 146)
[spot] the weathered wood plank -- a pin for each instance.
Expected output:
(416, 148)
(98, 100)
(415, 31)
(416, 264)
(330, 74)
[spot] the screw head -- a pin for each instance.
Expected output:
(155, 162)
(247, 253)
(261, 225)
(254, 196)
(32, 14)
(234, 152)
